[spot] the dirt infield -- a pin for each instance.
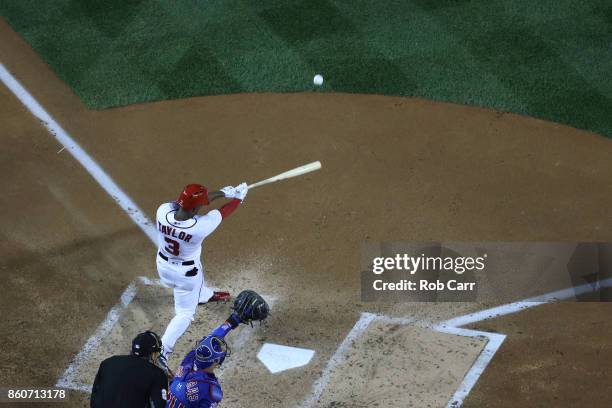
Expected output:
(394, 169)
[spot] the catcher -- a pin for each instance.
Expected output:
(195, 384)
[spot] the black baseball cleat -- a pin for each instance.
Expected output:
(220, 296)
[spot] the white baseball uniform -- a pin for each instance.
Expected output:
(180, 242)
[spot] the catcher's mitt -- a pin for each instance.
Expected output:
(250, 306)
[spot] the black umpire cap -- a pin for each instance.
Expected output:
(146, 343)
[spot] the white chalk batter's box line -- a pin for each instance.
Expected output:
(451, 326)
(69, 377)
(495, 340)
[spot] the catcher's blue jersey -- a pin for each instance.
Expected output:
(196, 389)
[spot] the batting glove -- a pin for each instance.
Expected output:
(241, 191)
(229, 191)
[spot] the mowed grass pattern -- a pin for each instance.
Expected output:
(548, 59)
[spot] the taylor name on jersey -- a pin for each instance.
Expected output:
(171, 232)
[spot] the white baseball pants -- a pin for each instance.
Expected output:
(188, 292)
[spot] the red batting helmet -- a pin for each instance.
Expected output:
(193, 195)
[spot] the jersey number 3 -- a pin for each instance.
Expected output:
(173, 246)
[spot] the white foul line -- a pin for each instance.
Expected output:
(80, 155)
(68, 380)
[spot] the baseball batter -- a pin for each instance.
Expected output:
(181, 232)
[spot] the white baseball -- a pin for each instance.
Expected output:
(318, 80)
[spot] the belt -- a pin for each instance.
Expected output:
(165, 258)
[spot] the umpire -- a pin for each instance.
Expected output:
(133, 381)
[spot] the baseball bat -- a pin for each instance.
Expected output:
(298, 171)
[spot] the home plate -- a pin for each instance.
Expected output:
(279, 358)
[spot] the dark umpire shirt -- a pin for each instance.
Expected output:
(129, 382)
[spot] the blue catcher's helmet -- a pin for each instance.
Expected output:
(210, 350)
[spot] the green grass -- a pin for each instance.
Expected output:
(549, 59)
